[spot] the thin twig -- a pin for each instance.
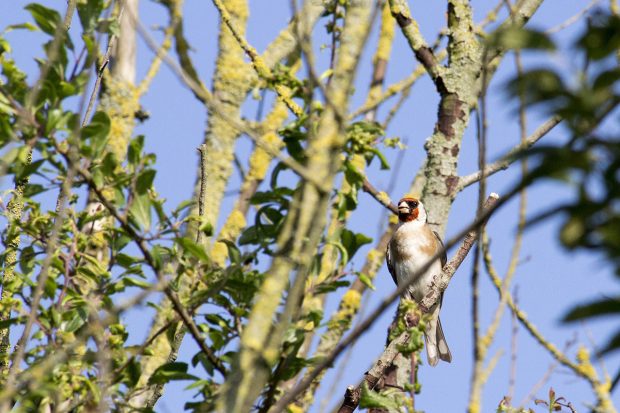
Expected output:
(573, 19)
(505, 161)
(100, 70)
(382, 197)
(203, 189)
(175, 18)
(514, 342)
(257, 61)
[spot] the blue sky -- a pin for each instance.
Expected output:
(549, 279)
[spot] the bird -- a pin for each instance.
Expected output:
(411, 246)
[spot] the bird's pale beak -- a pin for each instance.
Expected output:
(403, 208)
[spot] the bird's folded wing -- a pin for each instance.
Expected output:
(388, 260)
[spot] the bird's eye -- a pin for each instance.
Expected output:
(414, 204)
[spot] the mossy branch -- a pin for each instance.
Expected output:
(259, 64)
(301, 232)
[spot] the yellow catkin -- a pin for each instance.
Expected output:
(585, 366)
(348, 307)
(384, 198)
(233, 226)
(351, 299)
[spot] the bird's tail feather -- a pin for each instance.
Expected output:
(442, 345)
(436, 345)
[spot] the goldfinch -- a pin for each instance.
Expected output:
(411, 246)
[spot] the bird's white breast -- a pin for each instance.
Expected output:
(411, 247)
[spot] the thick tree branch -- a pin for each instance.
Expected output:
(411, 31)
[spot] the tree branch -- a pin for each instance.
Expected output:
(411, 31)
(382, 197)
(511, 156)
(257, 61)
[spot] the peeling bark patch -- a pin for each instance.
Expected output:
(449, 112)
(455, 150)
(391, 377)
(425, 56)
(379, 74)
(451, 184)
(402, 20)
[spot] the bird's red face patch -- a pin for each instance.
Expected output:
(408, 209)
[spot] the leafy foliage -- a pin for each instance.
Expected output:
(589, 162)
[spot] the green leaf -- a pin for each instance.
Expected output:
(249, 236)
(612, 345)
(606, 79)
(538, 85)
(607, 306)
(132, 372)
(192, 248)
(169, 372)
(145, 181)
(385, 165)
(134, 152)
(27, 26)
(573, 231)
(329, 287)
(134, 282)
(109, 26)
(11, 321)
(352, 241)
(26, 260)
(372, 399)
(140, 211)
(77, 318)
(521, 38)
(602, 37)
(89, 12)
(98, 127)
(46, 19)
(366, 280)
(233, 252)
